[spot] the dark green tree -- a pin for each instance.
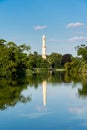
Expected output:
(66, 58)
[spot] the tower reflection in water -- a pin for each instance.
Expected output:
(44, 84)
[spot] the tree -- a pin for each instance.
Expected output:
(24, 48)
(2, 41)
(82, 51)
(31, 62)
(66, 58)
(54, 60)
(12, 59)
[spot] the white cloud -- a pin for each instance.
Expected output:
(78, 39)
(80, 33)
(40, 27)
(40, 108)
(75, 25)
(77, 110)
(35, 115)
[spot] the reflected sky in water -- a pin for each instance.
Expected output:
(53, 106)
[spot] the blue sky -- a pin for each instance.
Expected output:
(64, 22)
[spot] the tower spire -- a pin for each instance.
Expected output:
(44, 47)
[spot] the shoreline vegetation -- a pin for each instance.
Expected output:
(17, 61)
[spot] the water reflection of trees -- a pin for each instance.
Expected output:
(78, 78)
(54, 77)
(83, 91)
(10, 90)
(60, 77)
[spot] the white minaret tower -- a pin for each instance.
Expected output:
(44, 47)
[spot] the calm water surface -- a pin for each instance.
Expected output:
(43, 102)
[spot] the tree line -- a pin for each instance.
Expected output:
(18, 61)
(78, 64)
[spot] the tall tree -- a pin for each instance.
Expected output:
(55, 60)
(82, 51)
(66, 58)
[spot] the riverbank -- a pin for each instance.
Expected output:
(42, 70)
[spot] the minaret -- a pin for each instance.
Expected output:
(44, 92)
(44, 47)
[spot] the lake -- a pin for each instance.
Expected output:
(47, 101)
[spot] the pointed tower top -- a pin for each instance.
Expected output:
(43, 37)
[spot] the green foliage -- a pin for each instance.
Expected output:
(24, 47)
(78, 64)
(84, 68)
(66, 58)
(2, 41)
(82, 51)
(12, 59)
(68, 66)
(36, 61)
(16, 61)
(55, 60)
